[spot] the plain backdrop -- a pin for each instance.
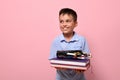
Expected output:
(27, 28)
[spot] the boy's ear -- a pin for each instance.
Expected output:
(76, 24)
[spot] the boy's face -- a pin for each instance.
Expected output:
(67, 23)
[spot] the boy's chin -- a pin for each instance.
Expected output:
(66, 33)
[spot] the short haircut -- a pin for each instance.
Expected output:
(69, 12)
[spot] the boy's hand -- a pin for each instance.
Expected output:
(60, 68)
(90, 56)
(79, 71)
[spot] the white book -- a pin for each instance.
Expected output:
(78, 62)
(70, 66)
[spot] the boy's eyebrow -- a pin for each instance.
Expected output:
(66, 20)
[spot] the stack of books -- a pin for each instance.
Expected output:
(71, 59)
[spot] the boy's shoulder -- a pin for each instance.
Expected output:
(58, 37)
(79, 36)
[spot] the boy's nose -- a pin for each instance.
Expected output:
(64, 24)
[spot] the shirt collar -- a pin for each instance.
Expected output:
(74, 38)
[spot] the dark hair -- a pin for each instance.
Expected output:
(69, 12)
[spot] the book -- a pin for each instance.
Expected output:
(72, 54)
(70, 66)
(77, 62)
(71, 59)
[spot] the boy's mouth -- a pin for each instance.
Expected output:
(65, 28)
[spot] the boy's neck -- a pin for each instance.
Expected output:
(68, 36)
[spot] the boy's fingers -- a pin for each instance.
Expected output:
(79, 71)
(60, 68)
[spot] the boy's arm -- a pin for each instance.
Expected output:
(53, 50)
(85, 47)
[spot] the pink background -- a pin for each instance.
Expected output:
(27, 28)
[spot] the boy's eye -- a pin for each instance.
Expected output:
(68, 21)
(61, 21)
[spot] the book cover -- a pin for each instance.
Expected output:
(70, 66)
(77, 62)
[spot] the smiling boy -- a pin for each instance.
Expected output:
(68, 40)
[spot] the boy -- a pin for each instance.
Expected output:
(68, 40)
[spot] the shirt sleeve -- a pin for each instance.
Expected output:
(53, 50)
(86, 48)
